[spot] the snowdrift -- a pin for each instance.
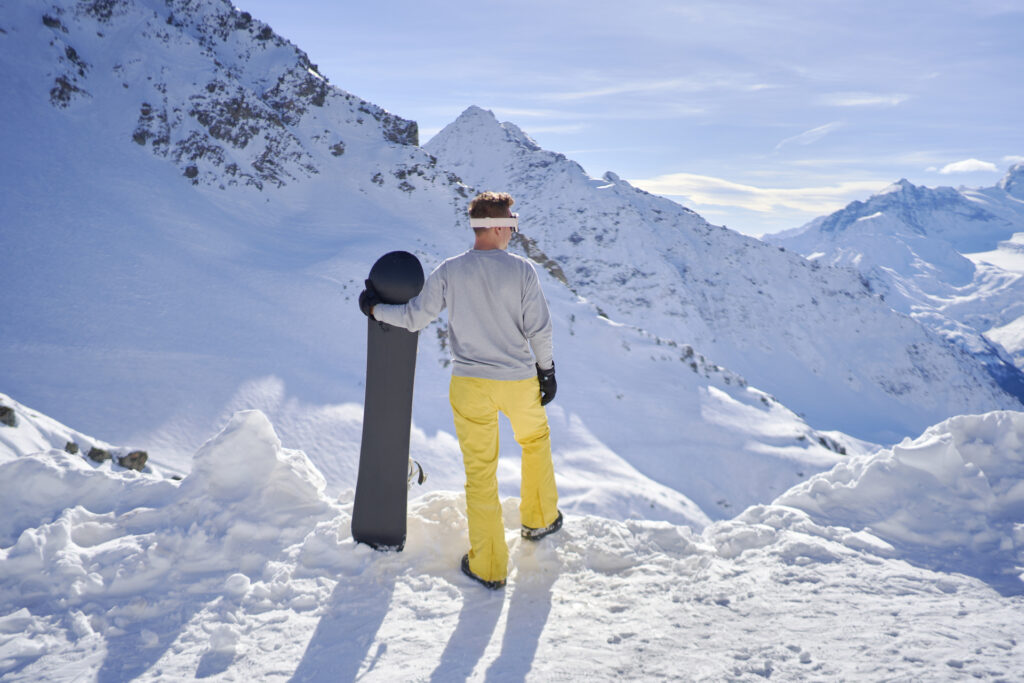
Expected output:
(952, 499)
(246, 568)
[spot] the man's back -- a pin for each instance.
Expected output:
(496, 312)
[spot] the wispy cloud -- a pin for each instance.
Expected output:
(811, 136)
(707, 190)
(656, 87)
(627, 88)
(862, 99)
(1013, 159)
(968, 166)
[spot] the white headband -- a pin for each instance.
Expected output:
(511, 221)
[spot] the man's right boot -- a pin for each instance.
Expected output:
(531, 534)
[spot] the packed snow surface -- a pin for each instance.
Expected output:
(245, 569)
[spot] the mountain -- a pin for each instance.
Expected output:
(818, 338)
(188, 223)
(951, 258)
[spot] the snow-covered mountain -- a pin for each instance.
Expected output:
(951, 258)
(161, 274)
(818, 338)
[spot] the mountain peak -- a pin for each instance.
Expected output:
(1013, 181)
(474, 115)
(478, 127)
(901, 185)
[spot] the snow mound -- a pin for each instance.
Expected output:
(245, 570)
(952, 499)
(82, 534)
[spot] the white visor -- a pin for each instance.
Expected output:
(509, 222)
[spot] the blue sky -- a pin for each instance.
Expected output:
(758, 115)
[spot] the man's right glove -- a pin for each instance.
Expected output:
(369, 298)
(548, 386)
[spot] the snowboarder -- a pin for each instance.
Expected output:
(497, 314)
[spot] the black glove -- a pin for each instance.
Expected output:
(369, 298)
(548, 386)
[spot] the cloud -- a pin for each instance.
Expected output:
(968, 166)
(707, 190)
(630, 88)
(810, 136)
(656, 87)
(862, 99)
(1012, 159)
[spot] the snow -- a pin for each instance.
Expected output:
(952, 498)
(1008, 254)
(246, 569)
(949, 258)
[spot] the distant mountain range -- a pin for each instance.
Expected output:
(951, 258)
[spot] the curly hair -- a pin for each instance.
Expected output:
(491, 205)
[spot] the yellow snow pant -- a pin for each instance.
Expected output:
(475, 405)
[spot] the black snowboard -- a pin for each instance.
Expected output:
(378, 518)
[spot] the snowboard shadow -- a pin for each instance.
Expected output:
(345, 633)
(477, 620)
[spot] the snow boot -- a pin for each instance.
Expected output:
(493, 585)
(531, 534)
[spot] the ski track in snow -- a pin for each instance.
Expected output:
(245, 570)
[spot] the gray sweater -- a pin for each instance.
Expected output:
(496, 313)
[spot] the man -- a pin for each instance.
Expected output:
(499, 330)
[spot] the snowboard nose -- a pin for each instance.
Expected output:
(397, 276)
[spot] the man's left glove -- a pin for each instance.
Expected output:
(548, 386)
(369, 298)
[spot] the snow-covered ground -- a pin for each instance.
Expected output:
(901, 565)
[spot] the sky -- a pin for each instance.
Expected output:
(758, 115)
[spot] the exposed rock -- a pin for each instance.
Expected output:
(104, 10)
(62, 92)
(99, 454)
(53, 22)
(135, 460)
(71, 447)
(7, 416)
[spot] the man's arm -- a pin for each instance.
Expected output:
(537, 321)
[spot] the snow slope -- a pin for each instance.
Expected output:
(150, 303)
(948, 257)
(808, 335)
(246, 569)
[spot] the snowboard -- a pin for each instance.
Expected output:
(379, 512)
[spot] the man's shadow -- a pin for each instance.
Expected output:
(479, 616)
(345, 633)
(527, 615)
